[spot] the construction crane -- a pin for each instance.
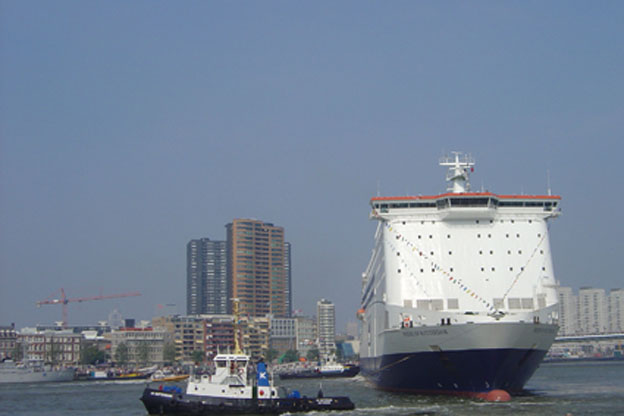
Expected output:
(64, 300)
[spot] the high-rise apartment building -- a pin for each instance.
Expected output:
(568, 306)
(326, 327)
(257, 268)
(616, 310)
(206, 277)
(592, 312)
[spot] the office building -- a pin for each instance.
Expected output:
(206, 277)
(257, 269)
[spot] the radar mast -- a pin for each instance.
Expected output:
(459, 168)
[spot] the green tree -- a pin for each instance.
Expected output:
(291, 356)
(271, 354)
(198, 356)
(169, 353)
(122, 354)
(92, 355)
(143, 353)
(313, 354)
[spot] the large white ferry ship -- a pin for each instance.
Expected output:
(459, 296)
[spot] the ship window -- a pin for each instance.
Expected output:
(478, 235)
(541, 251)
(432, 270)
(448, 236)
(543, 268)
(398, 270)
(430, 236)
(477, 221)
(480, 251)
(517, 235)
(450, 253)
(519, 251)
(514, 303)
(437, 304)
(451, 269)
(398, 254)
(489, 235)
(422, 270)
(422, 222)
(539, 235)
(493, 269)
(419, 237)
(397, 237)
(527, 303)
(403, 222)
(432, 253)
(423, 304)
(512, 221)
(482, 269)
(498, 303)
(407, 303)
(507, 235)
(452, 304)
(530, 221)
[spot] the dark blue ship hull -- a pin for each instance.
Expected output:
(469, 372)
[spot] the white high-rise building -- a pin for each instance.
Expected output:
(326, 326)
(568, 308)
(616, 310)
(592, 314)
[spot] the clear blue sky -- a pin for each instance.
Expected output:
(129, 128)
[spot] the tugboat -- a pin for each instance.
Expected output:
(232, 390)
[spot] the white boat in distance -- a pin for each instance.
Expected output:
(32, 372)
(459, 296)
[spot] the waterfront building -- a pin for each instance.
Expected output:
(592, 311)
(255, 335)
(568, 311)
(219, 332)
(145, 346)
(8, 341)
(283, 334)
(50, 346)
(185, 332)
(206, 277)
(306, 334)
(326, 326)
(257, 269)
(616, 311)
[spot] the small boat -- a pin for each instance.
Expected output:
(161, 376)
(325, 371)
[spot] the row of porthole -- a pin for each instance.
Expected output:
(539, 235)
(480, 252)
(511, 269)
(477, 222)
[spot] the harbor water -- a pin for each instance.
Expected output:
(555, 389)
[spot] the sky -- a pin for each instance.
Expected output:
(129, 128)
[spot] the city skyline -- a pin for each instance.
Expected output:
(128, 129)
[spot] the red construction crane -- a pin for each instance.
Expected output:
(63, 301)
